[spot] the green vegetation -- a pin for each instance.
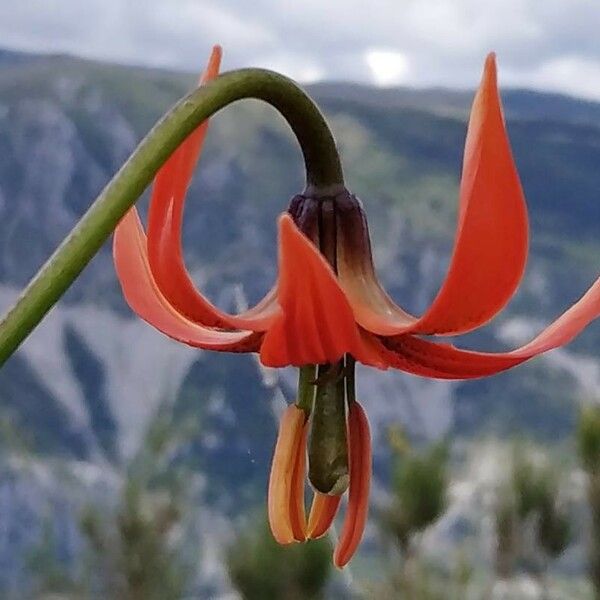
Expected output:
(419, 499)
(133, 549)
(588, 441)
(533, 526)
(260, 568)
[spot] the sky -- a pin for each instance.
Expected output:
(542, 44)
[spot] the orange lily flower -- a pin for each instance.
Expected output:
(328, 308)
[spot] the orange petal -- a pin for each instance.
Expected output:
(490, 249)
(567, 326)
(444, 361)
(359, 440)
(373, 309)
(422, 357)
(491, 244)
(322, 513)
(144, 297)
(316, 324)
(164, 235)
(283, 484)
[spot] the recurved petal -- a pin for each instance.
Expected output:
(144, 297)
(164, 236)
(490, 248)
(283, 484)
(359, 440)
(491, 243)
(316, 324)
(443, 361)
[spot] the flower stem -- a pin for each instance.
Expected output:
(323, 172)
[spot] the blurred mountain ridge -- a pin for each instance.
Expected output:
(90, 378)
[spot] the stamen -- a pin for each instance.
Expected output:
(330, 374)
(306, 388)
(322, 514)
(283, 482)
(297, 510)
(360, 480)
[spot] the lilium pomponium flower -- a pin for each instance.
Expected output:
(328, 310)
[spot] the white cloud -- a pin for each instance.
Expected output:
(579, 76)
(388, 67)
(551, 44)
(294, 66)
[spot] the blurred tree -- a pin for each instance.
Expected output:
(588, 443)
(260, 568)
(51, 572)
(419, 489)
(506, 528)
(133, 548)
(462, 575)
(532, 526)
(133, 554)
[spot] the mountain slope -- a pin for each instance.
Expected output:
(90, 378)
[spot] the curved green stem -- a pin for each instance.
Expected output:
(323, 172)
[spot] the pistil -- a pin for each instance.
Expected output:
(328, 470)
